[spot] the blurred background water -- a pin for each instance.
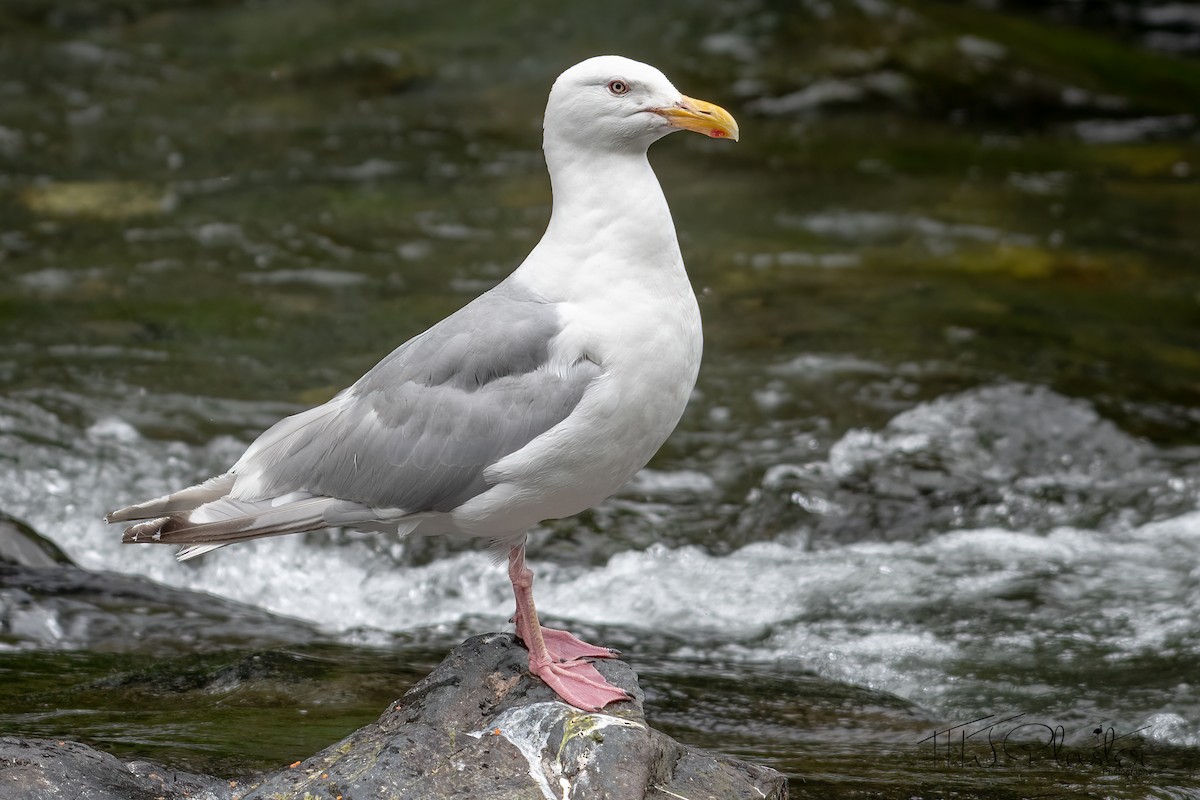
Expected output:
(943, 461)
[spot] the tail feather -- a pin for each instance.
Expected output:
(224, 521)
(193, 550)
(204, 517)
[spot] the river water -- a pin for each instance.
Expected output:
(930, 524)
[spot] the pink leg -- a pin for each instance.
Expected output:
(553, 654)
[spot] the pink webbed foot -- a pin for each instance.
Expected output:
(563, 646)
(578, 683)
(556, 656)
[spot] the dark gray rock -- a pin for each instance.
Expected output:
(477, 726)
(47, 769)
(22, 546)
(65, 607)
(46, 602)
(481, 726)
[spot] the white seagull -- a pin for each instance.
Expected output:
(535, 401)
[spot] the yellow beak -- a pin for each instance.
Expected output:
(702, 117)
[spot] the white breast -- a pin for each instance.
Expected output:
(610, 264)
(644, 331)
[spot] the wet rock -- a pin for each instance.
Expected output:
(1014, 456)
(61, 606)
(38, 769)
(481, 726)
(477, 726)
(22, 546)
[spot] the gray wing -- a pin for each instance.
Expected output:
(419, 429)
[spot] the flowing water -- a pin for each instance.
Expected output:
(931, 524)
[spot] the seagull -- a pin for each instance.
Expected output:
(535, 401)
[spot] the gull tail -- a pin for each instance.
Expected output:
(204, 517)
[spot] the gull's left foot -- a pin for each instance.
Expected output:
(556, 656)
(579, 683)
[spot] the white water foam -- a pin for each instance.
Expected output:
(967, 612)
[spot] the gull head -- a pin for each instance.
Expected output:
(618, 104)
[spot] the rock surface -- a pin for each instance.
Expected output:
(65, 607)
(477, 726)
(41, 769)
(48, 602)
(22, 546)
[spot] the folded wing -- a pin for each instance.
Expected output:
(411, 438)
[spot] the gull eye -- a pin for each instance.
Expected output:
(618, 86)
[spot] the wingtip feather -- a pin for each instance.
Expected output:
(184, 500)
